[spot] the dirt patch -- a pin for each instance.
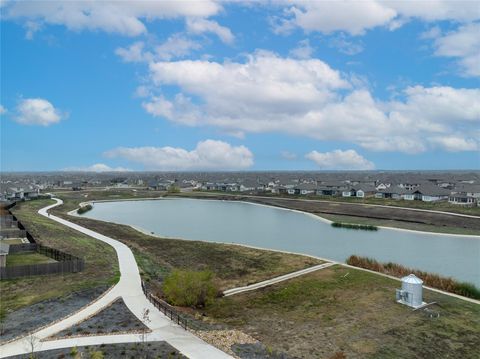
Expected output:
(159, 349)
(40, 314)
(116, 318)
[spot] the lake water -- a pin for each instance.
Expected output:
(275, 228)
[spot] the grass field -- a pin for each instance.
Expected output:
(343, 310)
(101, 261)
(22, 259)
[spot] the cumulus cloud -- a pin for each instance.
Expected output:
(176, 46)
(350, 16)
(207, 155)
(303, 50)
(268, 93)
(340, 160)
(37, 111)
(201, 26)
(134, 53)
(356, 17)
(455, 143)
(121, 17)
(2, 110)
(464, 44)
(98, 167)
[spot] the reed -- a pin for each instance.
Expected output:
(429, 279)
(84, 209)
(365, 227)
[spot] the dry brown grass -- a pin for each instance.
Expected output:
(430, 279)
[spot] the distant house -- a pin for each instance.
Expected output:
(462, 199)
(306, 188)
(393, 192)
(360, 191)
(430, 193)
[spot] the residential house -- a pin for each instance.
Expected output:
(462, 199)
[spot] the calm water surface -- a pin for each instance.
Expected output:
(274, 228)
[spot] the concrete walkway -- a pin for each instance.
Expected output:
(275, 280)
(129, 288)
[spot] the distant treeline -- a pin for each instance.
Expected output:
(84, 209)
(429, 279)
(365, 227)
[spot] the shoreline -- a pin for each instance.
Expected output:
(316, 216)
(145, 232)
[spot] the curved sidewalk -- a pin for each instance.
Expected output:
(129, 288)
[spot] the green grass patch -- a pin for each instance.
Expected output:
(27, 258)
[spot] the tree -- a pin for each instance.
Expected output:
(145, 321)
(145, 329)
(3, 317)
(190, 288)
(32, 344)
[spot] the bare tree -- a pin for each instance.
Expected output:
(32, 344)
(145, 328)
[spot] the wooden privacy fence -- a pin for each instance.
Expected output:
(13, 233)
(66, 263)
(167, 309)
(72, 266)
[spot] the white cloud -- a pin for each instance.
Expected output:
(288, 155)
(208, 155)
(134, 53)
(308, 98)
(455, 144)
(356, 17)
(201, 26)
(2, 110)
(345, 46)
(351, 16)
(37, 111)
(122, 17)
(464, 44)
(303, 50)
(98, 167)
(340, 160)
(176, 46)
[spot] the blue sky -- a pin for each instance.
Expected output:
(224, 86)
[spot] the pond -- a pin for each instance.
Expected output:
(275, 228)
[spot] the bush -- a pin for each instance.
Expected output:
(84, 209)
(190, 288)
(366, 227)
(429, 279)
(173, 189)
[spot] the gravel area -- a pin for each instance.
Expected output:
(239, 344)
(149, 350)
(116, 318)
(40, 314)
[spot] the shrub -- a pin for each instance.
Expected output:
(173, 189)
(84, 209)
(190, 288)
(366, 227)
(429, 279)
